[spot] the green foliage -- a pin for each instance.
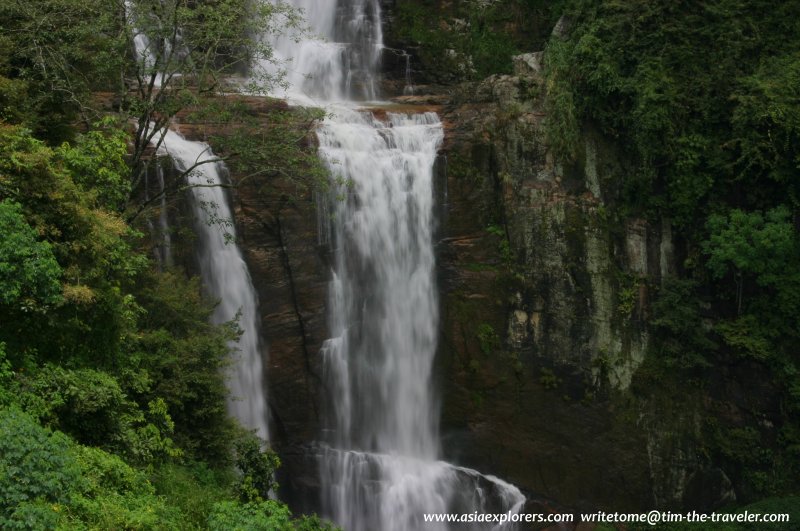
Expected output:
(627, 296)
(193, 49)
(193, 488)
(759, 253)
(92, 248)
(703, 100)
(7, 385)
(488, 339)
(562, 130)
(752, 243)
(548, 378)
(639, 70)
(59, 51)
(766, 122)
(756, 247)
(95, 342)
(260, 153)
(472, 39)
(97, 162)
(179, 357)
(503, 246)
(260, 516)
(91, 406)
(761, 468)
(256, 515)
(257, 466)
(37, 472)
(115, 496)
(745, 337)
(677, 321)
(12, 97)
(29, 273)
(132, 365)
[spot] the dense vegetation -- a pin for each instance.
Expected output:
(705, 100)
(112, 399)
(468, 40)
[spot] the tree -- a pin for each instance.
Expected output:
(754, 246)
(54, 55)
(151, 60)
(261, 516)
(93, 248)
(185, 53)
(29, 273)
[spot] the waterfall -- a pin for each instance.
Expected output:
(155, 55)
(225, 276)
(379, 454)
(338, 61)
(383, 308)
(408, 88)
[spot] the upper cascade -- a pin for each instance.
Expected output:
(338, 59)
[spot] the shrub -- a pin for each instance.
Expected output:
(37, 472)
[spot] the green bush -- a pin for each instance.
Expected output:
(194, 488)
(261, 516)
(115, 496)
(181, 357)
(38, 474)
(91, 406)
(257, 466)
(488, 340)
(29, 273)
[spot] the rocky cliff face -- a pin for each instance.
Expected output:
(545, 303)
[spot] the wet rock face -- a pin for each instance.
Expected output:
(288, 266)
(290, 269)
(544, 309)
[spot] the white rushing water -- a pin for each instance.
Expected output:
(224, 272)
(383, 308)
(338, 59)
(225, 276)
(380, 468)
(148, 53)
(379, 458)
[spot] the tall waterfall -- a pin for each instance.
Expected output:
(225, 276)
(379, 454)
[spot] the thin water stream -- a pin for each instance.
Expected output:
(225, 276)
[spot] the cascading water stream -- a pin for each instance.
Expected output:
(339, 60)
(379, 454)
(408, 88)
(225, 276)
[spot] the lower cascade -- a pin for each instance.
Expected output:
(225, 275)
(379, 460)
